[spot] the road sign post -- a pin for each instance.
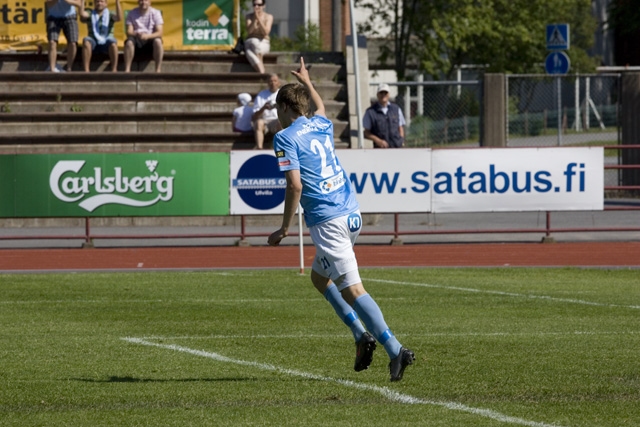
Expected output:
(558, 37)
(558, 63)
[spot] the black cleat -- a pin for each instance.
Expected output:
(364, 352)
(397, 365)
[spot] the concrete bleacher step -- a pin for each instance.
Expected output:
(323, 65)
(124, 142)
(22, 103)
(134, 123)
(121, 83)
(187, 107)
(118, 143)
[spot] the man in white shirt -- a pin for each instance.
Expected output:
(265, 116)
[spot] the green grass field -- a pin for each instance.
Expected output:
(515, 346)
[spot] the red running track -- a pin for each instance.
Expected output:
(605, 254)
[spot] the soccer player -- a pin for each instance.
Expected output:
(305, 153)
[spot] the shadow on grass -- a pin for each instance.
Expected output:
(116, 379)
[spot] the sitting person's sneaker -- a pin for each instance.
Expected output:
(364, 352)
(397, 365)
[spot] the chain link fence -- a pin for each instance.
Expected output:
(564, 110)
(542, 110)
(572, 110)
(439, 113)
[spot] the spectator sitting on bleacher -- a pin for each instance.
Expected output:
(265, 114)
(242, 115)
(100, 32)
(61, 16)
(259, 25)
(144, 34)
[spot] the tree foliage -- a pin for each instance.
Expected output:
(306, 38)
(507, 36)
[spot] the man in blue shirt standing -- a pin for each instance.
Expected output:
(305, 153)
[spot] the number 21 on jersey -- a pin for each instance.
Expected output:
(332, 168)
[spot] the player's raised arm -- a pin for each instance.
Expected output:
(302, 74)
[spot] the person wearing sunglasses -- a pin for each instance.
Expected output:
(258, 28)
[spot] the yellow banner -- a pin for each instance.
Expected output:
(188, 24)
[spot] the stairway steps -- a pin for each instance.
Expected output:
(89, 128)
(187, 107)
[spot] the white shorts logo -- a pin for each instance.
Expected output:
(354, 222)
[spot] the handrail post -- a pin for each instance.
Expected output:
(88, 243)
(243, 238)
(396, 230)
(547, 237)
(548, 233)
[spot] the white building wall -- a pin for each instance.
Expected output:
(288, 15)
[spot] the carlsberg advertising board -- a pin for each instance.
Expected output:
(129, 184)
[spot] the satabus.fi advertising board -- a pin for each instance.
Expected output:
(114, 184)
(452, 180)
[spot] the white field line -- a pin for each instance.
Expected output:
(384, 391)
(410, 335)
(171, 301)
(509, 294)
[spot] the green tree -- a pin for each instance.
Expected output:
(624, 19)
(506, 35)
(306, 38)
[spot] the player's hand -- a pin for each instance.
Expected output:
(276, 237)
(302, 74)
(383, 144)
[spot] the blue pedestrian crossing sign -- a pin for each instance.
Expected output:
(558, 37)
(557, 63)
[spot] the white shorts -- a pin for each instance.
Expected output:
(334, 240)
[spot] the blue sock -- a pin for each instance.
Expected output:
(344, 311)
(372, 317)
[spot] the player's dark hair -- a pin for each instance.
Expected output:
(294, 96)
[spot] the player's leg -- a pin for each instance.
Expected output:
(370, 313)
(332, 241)
(350, 285)
(344, 311)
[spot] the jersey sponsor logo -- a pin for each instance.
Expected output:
(332, 184)
(280, 153)
(284, 163)
(260, 183)
(354, 221)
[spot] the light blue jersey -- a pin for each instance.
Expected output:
(307, 145)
